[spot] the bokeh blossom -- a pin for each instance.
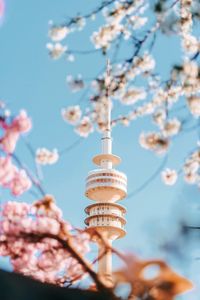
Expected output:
(16, 180)
(169, 176)
(71, 114)
(46, 157)
(85, 127)
(2, 9)
(12, 131)
(31, 236)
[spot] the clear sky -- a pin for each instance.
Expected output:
(30, 79)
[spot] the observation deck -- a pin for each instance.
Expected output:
(106, 185)
(107, 218)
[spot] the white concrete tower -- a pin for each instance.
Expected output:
(106, 186)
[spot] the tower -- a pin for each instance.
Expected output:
(106, 186)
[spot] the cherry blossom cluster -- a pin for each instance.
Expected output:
(118, 89)
(189, 42)
(12, 129)
(135, 82)
(190, 171)
(12, 177)
(16, 180)
(40, 243)
(121, 19)
(58, 33)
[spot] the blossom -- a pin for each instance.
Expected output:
(191, 178)
(9, 140)
(58, 33)
(14, 208)
(7, 170)
(46, 224)
(194, 105)
(191, 168)
(133, 95)
(20, 124)
(169, 176)
(106, 34)
(71, 114)
(56, 50)
(46, 157)
(172, 127)
(75, 84)
(85, 127)
(159, 117)
(22, 225)
(190, 68)
(137, 21)
(154, 141)
(2, 8)
(144, 63)
(10, 177)
(19, 183)
(190, 44)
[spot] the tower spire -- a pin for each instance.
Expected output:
(107, 85)
(106, 139)
(106, 186)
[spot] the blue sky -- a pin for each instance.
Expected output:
(30, 79)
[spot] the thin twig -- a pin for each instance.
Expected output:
(149, 180)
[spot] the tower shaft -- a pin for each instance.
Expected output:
(105, 262)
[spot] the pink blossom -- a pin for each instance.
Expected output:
(10, 177)
(20, 183)
(9, 140)
(7, 170)
(4, 250)
(2, 8)
(22, 122)
(13, 208)
(44, 259)
(48, 225)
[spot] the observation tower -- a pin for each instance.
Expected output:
(106, 186)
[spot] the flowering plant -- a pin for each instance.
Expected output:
(173, 103)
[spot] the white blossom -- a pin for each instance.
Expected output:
(56, 50)
(159, 117)
(72, 114)
(58, 33)
(46, 157)
(154, 141)
(85, 127)
(132, 95)
(191, 178)
(172, 127)
(190, 68)
(194, 105)
(137, 21)
(190, 44)
(169, 176)
(75, 84)
(105, 35)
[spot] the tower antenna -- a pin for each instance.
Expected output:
(107, 85)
